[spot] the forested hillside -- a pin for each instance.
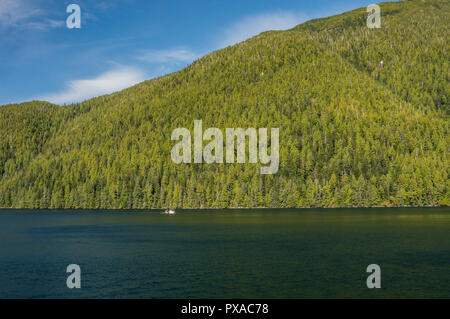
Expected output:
(353, 131)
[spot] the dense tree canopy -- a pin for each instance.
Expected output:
(352, 132)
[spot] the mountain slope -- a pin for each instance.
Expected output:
(351, 133)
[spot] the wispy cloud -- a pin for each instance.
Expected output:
(255, 24)
(26, 14)
(173, 55)
(14, 11)
(106, 5)
(45, 24)
(105, 83)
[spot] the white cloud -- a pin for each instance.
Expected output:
(25, 14)
(106, 5)
(255, 24)
(168, 56)
(45, 24)
(14, 11)
(105, 83)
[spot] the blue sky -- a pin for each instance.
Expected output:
(123, 42)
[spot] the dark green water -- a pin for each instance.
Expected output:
(226, 254)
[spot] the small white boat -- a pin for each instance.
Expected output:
(169, 212)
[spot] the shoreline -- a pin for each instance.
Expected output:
(215, 208)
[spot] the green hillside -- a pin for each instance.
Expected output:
(352, 133)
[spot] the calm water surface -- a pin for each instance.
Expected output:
(226, 253)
